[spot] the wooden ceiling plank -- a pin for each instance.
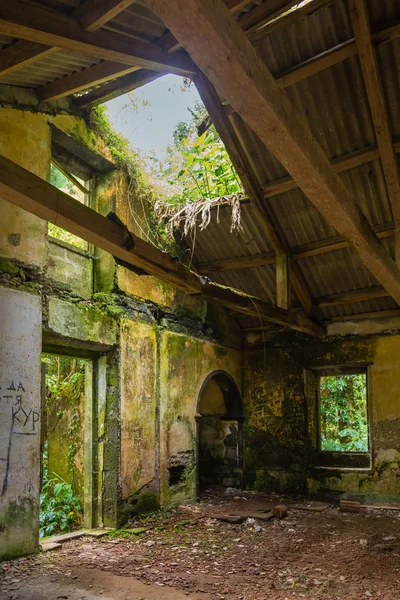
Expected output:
(373, 83)
(93, 14)
(29, 192)
(244, 169)
(39, 24)
(81, 80)
(233, 65)
(21, 53)
(283, 281)
(117, 87)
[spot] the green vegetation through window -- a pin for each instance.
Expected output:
(343, 413)
(77, 189)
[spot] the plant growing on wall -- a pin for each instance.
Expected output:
(60, 510)
(199, 174)
(343, 408)
(60, 507)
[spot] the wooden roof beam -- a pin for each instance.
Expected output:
(372, 293)
(93, 14)
(82, 80)
(29, 192)
(268, 258)
(233, 65)
(44, 26)
(369, 65)
(21, 53)
(117, 87)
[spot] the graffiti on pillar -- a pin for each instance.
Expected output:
(17, 420)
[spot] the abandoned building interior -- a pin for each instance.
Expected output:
(210, 364)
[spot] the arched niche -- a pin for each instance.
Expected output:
(219, 432)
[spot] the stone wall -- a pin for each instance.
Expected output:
(140, 335)
(280, 428)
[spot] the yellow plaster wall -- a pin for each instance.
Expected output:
(212, 400)
(185, 362)
(24, 139)
(138, 406)
(385, 379)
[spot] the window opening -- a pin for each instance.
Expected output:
(343, 413)
(77, 188)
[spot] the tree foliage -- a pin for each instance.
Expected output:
(344, 420)
(197, 167)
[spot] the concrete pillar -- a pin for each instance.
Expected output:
(20, 410)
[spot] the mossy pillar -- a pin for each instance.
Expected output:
(20, 410)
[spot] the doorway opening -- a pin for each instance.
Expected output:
(219, 433)
(66, 395)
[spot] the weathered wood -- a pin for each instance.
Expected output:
(240, 262)
(93, 14)
(369, 65)
(26, 190)
(44, 26)
(371, 293)
(368, 315)
(21, 53)
(31, 193)
(258, 15)
(254, 307)
(282, 281)
(331, 57)
(117, 87)
(81, 80)
(287, 19)
(297, 253)
(241, 74)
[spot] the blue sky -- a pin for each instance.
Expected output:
(150, 129)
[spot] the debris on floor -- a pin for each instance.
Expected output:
(195, 552)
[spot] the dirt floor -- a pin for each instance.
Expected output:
(192, 553)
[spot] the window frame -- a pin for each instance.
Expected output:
(90, 201)
(347, 459)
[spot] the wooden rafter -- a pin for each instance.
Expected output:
(240, 161)
(44, 26)
(372, 293)
(382, 314)
(81, 80)
(169, 44)
(300, 252)
(369, 65)
(116, 88)
(93, 14)
(233, 65)
(21, 53)
(29, 192)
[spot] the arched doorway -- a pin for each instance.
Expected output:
(219, 433)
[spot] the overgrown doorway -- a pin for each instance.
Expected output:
(219, 433)
(66, 387)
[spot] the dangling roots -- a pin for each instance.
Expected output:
(198, 214)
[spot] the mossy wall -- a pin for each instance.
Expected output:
(185, 362)
(126, 324)
(280, 432)
(138, 407)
